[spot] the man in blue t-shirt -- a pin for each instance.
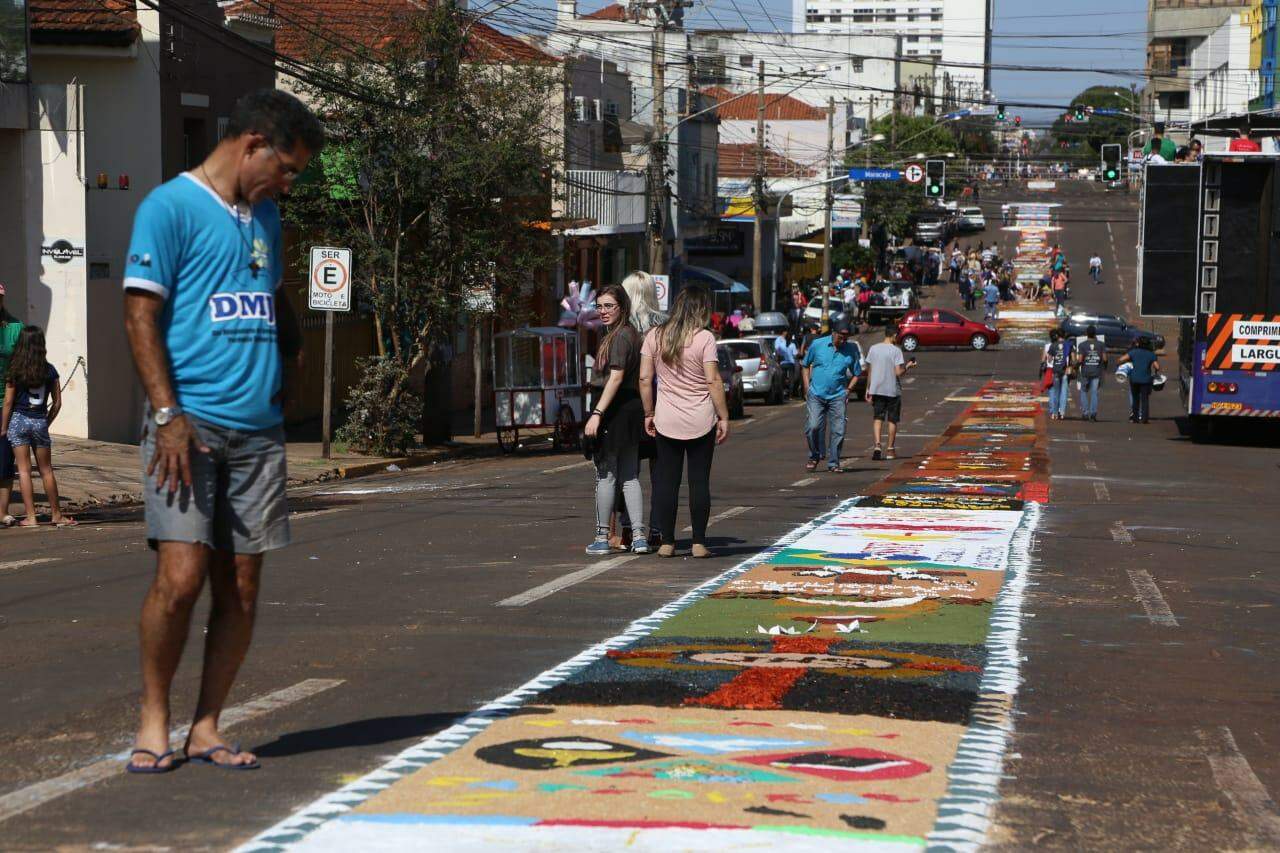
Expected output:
(210, 332)
(830, 366)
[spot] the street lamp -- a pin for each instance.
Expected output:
(830, 200)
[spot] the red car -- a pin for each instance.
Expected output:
(938, 327)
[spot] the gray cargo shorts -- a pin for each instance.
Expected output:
(236, 501)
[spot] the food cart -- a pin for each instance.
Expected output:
(538, 386)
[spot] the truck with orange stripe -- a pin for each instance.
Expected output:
(1210, 256)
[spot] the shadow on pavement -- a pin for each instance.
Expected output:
(370, 732)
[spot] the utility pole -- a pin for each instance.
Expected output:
(871, 114)
(757, 259)
(831, 198)
(658, 189)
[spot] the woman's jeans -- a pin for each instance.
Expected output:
(614, 474)
(1058, 394)
(1089, 395)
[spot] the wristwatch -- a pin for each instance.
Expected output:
(166, 415)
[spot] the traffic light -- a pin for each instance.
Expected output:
(935, 179)
(1017, 121)
(1000, 114)
(1080, 114)
(1111, 162)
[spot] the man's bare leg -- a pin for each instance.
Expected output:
(893, 434)
(233, 581)
(166, 618)
(875, 430)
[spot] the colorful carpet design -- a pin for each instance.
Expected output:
(849, 687)
(1027, 324)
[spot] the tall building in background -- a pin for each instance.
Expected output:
(1174, 29)
(953, 34)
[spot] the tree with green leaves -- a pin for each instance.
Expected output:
(437, 174)
(893, 203)
(1085, 139)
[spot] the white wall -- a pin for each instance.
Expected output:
(1222, 82)
(111, 124)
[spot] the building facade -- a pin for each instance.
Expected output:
(1174, 29)
(954, 34)
(1263, 35)
(1222, 81)
(114, 100)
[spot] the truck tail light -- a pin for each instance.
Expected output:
(1223, 387)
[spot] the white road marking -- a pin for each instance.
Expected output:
(728, 513)
(1254, 806)
(807, 481)
(405, 488)
(910, 380)
(312, 513)
(1152, 601)
(25, 799)
(565, 581)
(1100, 489)
(1090, 465)
(1121, 534)
(22, 564)
(584, 463)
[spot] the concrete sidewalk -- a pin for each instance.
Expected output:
(102, 474)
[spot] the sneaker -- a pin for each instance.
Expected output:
(877, 453)
(599, 548)
(890, 454)
(640, 545)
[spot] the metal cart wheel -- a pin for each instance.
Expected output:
(565, 436)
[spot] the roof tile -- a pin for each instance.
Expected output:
(738, 160)
(740, 106)
(612, 12)
(307, 26)
(83, 16)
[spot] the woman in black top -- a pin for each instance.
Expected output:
(617, 421)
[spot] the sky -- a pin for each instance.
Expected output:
(1088, 37)
(1094, 34)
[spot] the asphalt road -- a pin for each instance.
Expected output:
(1147, 718)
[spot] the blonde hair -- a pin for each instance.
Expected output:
(690, 315)
(643, 292)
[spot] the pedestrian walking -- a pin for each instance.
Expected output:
(830, 367)
(617, 421)
(1091, 364)
(32, 400)
(1145, 368)
(1059, 284)
(1095, 268)
(211, 335)
(1059, 360)
(885, 366)
(10, 329)
(784, 349)
(991, 297)
(688, 416)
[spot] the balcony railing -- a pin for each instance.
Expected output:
(615, 200)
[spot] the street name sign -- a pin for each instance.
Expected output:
(875, 175)
(329, 287)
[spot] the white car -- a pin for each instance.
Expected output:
(761, 373)
(971, 219)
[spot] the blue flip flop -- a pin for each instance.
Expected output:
(206, 757)
(154, 768)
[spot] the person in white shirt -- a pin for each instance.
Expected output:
(1095, 268)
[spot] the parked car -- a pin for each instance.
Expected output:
(731, 376)
(938, 327)
(790, 373)
(972, 219)
(771, 321)
(1114, 331)
(761, 373)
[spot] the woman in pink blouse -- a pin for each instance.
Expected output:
(688, 418)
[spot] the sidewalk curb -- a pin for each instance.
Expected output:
(322, 475)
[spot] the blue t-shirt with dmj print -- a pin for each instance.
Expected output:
(219, 320)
